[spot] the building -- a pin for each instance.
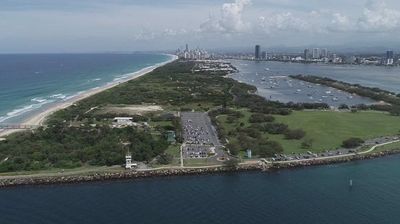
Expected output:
(257, 55)
(248, 153)
(324, 53)
(306, 54)
(389, 57)
(171, 137)
(128, 161)
(264, 55)
(315, 53)
(123, 120)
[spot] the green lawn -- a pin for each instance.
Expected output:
(393, 146)
(174, 150)
(327, 129)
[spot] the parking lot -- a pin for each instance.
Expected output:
(199, 135)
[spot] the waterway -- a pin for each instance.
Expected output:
(308, 195)
(272, 81)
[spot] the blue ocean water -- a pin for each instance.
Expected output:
(309, 195)
(30, 82)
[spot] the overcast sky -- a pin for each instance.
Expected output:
(128, 25)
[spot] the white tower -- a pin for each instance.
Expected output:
(128, 159)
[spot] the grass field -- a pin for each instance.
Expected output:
(328, 129)
(393, 146)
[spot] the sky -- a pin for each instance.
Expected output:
(42, 26)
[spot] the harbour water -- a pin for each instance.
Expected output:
(31, 82)
(272, 81)
(308, 195)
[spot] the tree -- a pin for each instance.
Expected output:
(352, 142)
(307, 144)
(295, 134)
(234, 148)
(275, 128)
(231, 163)
(395, 111)
(260, 118)
(269, 149)
(343, 107)
(165, 158)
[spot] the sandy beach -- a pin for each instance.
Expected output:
(39, 118)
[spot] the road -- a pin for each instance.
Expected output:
(332, 157)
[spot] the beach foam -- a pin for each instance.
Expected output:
(22, 110)
(60, 99)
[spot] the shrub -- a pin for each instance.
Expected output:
(275, 128)
(260, 118)
(165, 158)
(352, 142)
(269, 149)
(232, 163)
(295, 134)
(307, 144)
(343, 107)
(233, 148)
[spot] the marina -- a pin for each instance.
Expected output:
(275, 83)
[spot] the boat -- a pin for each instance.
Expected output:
(266, 69)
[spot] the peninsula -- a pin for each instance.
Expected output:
(187, 117)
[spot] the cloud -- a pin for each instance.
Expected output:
(146, 34)
(237, 21)
(281, 22)
(378, 17)
(340, 23)
(230, 20)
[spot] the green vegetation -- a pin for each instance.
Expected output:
(60, 147)
(324, 130)
(388, 147)
(82, 134)
(352, 143)
(373, 93)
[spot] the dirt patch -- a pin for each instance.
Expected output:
(131, 109)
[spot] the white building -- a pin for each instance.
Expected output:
(315, 53)
(128, 162)
(123, 120)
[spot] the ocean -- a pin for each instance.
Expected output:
(312, 195)
(271, 79)
(32, 82)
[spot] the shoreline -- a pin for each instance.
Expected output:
(93, 177)
(38, 119)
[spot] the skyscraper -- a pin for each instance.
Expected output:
(389, 57)
(306, 54)
(324, 52)
(264, 55)
(315, 53)
(187, 48)
(257, 52)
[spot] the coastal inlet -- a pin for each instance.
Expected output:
(273, 82)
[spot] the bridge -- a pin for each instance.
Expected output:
(18, 126)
